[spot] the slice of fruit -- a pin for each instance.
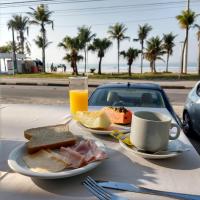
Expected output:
(118, 115)
(94, 119)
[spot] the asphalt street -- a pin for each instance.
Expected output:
(59, 95)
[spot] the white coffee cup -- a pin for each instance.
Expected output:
(150, 131)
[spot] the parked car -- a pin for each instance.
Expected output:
(191, 112)
(146, 95)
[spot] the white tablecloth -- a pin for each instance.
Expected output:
(179, 174)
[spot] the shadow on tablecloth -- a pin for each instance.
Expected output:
(117, 168)
(6, 146)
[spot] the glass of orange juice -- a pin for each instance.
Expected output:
(78, 94)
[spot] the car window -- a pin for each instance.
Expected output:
(129, 97)
(198, 90)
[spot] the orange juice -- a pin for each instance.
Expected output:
(78, 100)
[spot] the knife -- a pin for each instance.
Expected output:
(134, 188)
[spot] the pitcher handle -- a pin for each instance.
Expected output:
(173, 137)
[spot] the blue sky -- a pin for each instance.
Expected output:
(68, 16)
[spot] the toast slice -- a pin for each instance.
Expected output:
(49, 137)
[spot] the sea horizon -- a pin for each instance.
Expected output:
(112, 68)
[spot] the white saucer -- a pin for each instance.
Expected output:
(175, 148)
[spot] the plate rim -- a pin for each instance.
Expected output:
(149, 156)
(14, 165)
(99, 132)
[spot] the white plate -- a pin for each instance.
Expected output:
(17, 164)
(175, 148)
(121, 128)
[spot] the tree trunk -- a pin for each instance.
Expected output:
(182, 56)
(167, 63)
(85, 51)
(14, 51)
(76, 69)
(186, 50)
(99, 70)
(43, 46)
(43, 58)
(151, 66)
(129, 70)
(118, 47)
(22, 41)
(154, 66)
(199, 60)
(72, 66)
(142, 56)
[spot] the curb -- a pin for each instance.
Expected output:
(43, 84)
(89, 85)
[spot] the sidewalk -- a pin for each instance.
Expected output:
(171, 84)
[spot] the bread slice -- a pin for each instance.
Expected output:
(49, 137)
(44, 161)
(93, 119)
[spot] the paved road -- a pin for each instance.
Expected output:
(59, 95)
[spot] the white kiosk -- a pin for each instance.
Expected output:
(8, 60)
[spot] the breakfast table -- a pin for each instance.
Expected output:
(177, 174)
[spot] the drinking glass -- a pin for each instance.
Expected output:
(78, 94)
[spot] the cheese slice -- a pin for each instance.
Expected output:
(44, 161)
(94, 119)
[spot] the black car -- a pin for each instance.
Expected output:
(147, 95)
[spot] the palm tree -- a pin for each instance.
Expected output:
(20, 24)
(185, 20)
(154, 51)
(198, 38)
(100, 46)
(41, 43)
(41, 16)
(72, 45)
(11, 25)
(131, 54)
(117, 31)
(168, 45)
(85, 36)
(143, 32)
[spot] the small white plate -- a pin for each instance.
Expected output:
(17, 164)
(175, 148)
(123, 129)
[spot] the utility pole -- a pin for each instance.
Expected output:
(187, 35)
(14, 51)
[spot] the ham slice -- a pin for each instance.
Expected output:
(98, 153)
(82, 153)
(75, 159)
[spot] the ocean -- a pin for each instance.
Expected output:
(112, 68)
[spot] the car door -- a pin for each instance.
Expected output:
(196, 104)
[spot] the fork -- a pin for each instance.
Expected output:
(99, 191)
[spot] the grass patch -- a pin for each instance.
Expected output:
(145, 76)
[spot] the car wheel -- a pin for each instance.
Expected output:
(187, 124)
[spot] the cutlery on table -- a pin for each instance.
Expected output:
(99, 191)
(134, 188)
